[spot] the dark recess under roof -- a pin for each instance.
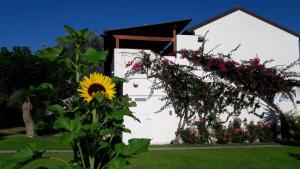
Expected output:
(157, 30)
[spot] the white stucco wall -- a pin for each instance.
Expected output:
(159, 127)
(257, 38)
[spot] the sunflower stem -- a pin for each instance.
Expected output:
(76, 64)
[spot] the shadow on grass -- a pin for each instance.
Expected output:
(297, 156)
(3, 135)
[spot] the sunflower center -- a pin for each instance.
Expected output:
(94, 88)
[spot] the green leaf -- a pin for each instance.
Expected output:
(93, 56)
(51, 53)
(24, 156)
(117, 163)
(118, 115)
(135, 146)
(70, 30)
(126, 130)
(104, 145)
(120, 148)
(85, 34)
(132, 104)
(56, 108)
(66, 38)
(66, 138)
(118, 80)
(105, 132)
(91, 126)
(73, 126)
(65, 123)
(83, 68)
(44, 89)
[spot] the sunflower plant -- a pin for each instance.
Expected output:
(91, 120)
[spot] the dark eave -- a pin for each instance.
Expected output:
(145, 36)
(151, 30)
(193, 28)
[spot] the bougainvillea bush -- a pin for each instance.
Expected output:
(233, 133)
(227, 87)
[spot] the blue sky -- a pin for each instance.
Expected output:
(36, 22)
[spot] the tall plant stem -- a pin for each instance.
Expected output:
(77, 54)
(81, 155)
(99, 165)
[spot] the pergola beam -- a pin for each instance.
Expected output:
(144, 38)
(148, 38)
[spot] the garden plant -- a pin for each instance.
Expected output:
(91, 119)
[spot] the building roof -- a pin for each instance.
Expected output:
(191, 30)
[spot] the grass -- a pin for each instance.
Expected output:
(12, 142)
(13, 138)
(247, 158)
(283, 157)
(47, 142)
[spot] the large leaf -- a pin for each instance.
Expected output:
(118, 80)
(64, 39)
(135, 146)
(66, 138)
(66, 123)
(56, 108)
(24, 156)
(92, 126)
(85, 34)
(44, 89)
(117, 163)
(104, 145)
(93, 56)
(73, 128)
(118, 115)
(44, 164)
(51, 53)
(105, 132)
(70, 30)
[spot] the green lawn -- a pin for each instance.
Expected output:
(222, 158)
(246, 158)
(13, 138)
(14, 142)
(235, 158)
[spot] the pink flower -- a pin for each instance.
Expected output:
(164, 61)
(129, 63)
(136, 66)
(255, 62)
(222, 67)
(205, 94)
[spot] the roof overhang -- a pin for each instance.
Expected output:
(155, 37)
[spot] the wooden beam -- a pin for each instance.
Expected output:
(174, 39)
(117, 43)
(144, 38)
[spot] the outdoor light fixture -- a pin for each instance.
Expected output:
(200, 39)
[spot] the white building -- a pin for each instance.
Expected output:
(256, 35)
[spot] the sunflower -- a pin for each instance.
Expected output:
(95, 84)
